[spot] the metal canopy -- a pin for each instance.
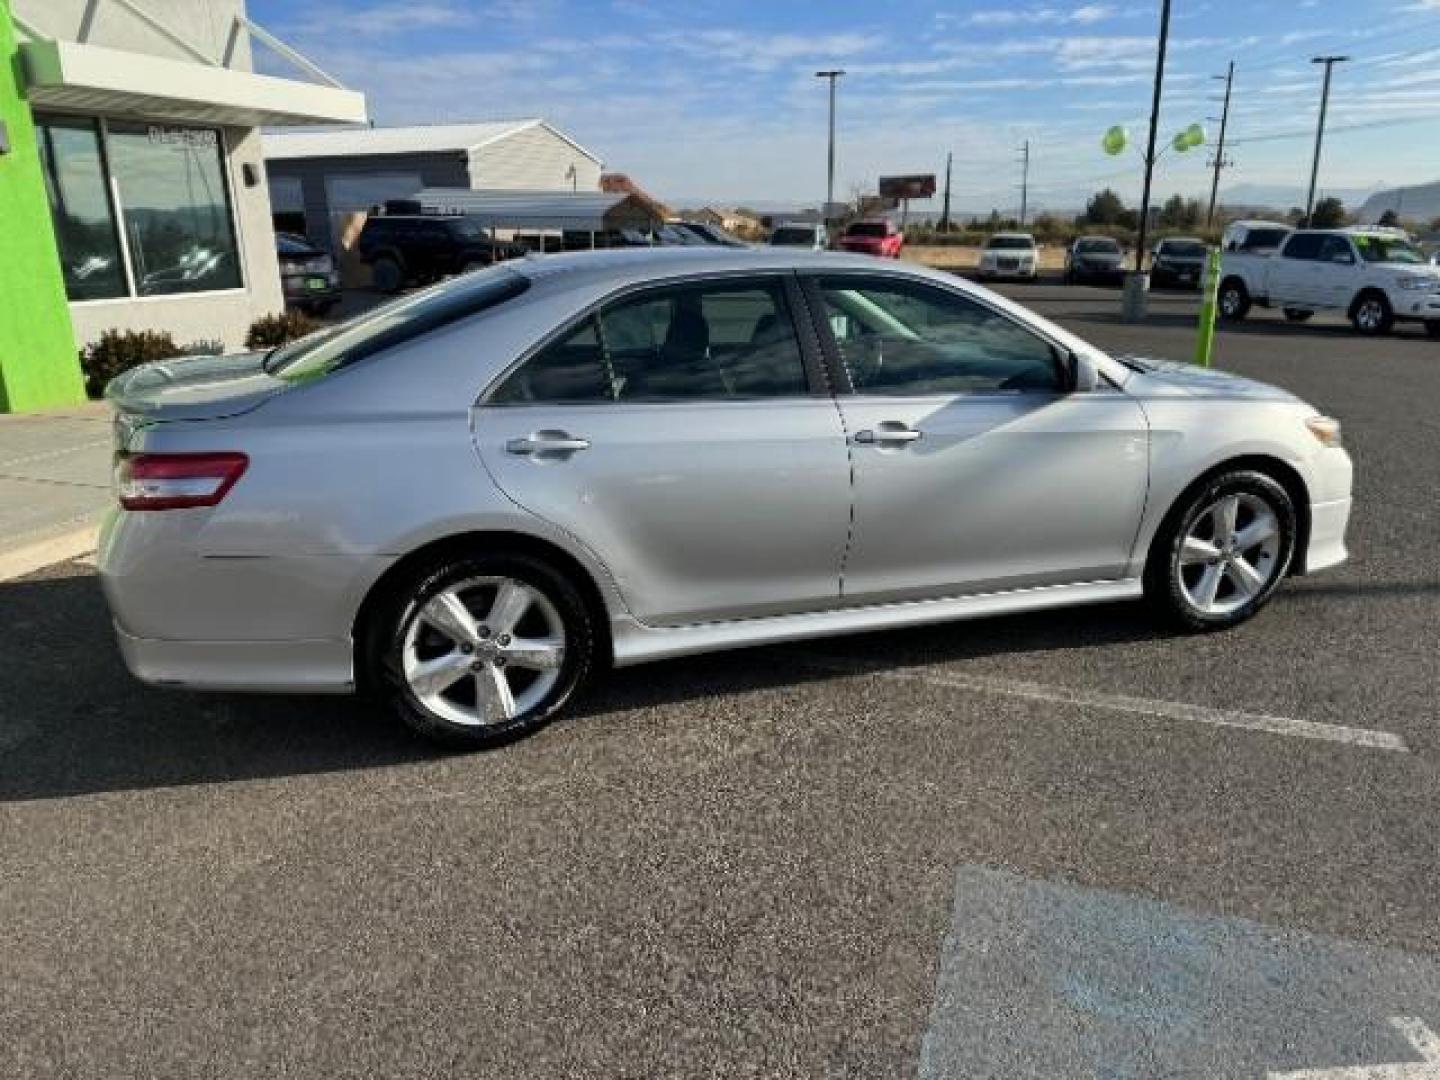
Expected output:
(90, 78)
(563, 211)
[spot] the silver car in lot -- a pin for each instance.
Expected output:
(474, 498)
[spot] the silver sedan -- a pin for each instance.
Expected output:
(473, 499)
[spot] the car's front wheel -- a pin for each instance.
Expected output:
(1432, 327)
(1222, 551)
(1372, 314)
(481, 650)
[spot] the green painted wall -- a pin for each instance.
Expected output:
(38, 365)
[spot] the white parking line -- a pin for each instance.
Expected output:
(1165, 710)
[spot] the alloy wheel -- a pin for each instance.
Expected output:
(1230, 554)
(1370, 315)
(483, 651)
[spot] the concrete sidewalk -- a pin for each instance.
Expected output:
(54, 484)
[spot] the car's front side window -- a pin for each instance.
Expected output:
(695, 342)
(907, 338)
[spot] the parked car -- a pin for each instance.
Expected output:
(710, 234)
(1178, 262)
(1374, 278)
(405, 248)
(615, 457)
(307, 274)
(801, 234)
(1010, 255)
(878, 237)
(1254, 237)
(1094, 258)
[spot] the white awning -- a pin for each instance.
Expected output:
(89, 78)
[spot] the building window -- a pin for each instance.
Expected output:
(80, 206)
(173, 204)
(176, 208)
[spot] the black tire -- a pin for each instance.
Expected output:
(387, 274)
(1296, 315)
(387, 641)
(1164, 577)
(1432, 328)
(1381, 322)
(1234, 301)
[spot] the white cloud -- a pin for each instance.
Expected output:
(1047, 16)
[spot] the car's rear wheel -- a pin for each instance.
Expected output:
(387, 274)
(1234, 301)
(1372, 314)
(481, 650)
(1297, 315)
(1222, 552)
(1432, 327)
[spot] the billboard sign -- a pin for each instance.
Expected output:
(907, 187)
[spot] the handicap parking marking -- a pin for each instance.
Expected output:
(1136, 706)
(1041, 980)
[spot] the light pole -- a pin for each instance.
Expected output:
(833, 75)
(1329, 62)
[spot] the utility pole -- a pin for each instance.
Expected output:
(1024, 181)
(832, 75)
(1154, 124)
(1329, 62)
(945, 212)
(1220, 162)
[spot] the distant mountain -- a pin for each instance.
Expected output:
(1282, 197)
(1420, 202)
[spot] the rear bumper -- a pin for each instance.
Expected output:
(304, 667)
(1328, 522)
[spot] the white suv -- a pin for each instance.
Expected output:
(1010, 255)
(1374, 276)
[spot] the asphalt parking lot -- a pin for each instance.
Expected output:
(1060, 845)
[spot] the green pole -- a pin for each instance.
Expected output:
(1205, 344)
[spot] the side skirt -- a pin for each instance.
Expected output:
(636, 643)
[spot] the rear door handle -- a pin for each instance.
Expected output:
(546, 442)
(888, 432)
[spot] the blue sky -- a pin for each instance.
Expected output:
(716, 99)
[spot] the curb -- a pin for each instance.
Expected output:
(26, 560)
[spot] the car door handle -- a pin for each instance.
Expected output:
(888, 432)
(546, 442)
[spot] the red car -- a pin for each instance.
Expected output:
(880, 238)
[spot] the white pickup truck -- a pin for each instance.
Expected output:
(1374, 276)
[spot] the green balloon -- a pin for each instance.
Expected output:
(1194, 136)
(1115, 140)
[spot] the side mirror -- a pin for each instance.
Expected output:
(1083, 376)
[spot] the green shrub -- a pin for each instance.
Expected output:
(118, 351)
(205, 347)
(272, 330)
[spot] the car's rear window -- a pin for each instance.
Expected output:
(793, 237)
(1185, 249)
(868, 228)
(1098, 247)
(1264, 239)
(393, 324)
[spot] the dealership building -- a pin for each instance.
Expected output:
(133, 188)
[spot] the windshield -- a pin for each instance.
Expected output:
(793, 237)
(1184, 249)
(391, 324)
(1098, 247)
(1385, 249)
(1010, 243)
(293, 245)
(867, 228)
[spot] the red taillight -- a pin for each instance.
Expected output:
(176, 481)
